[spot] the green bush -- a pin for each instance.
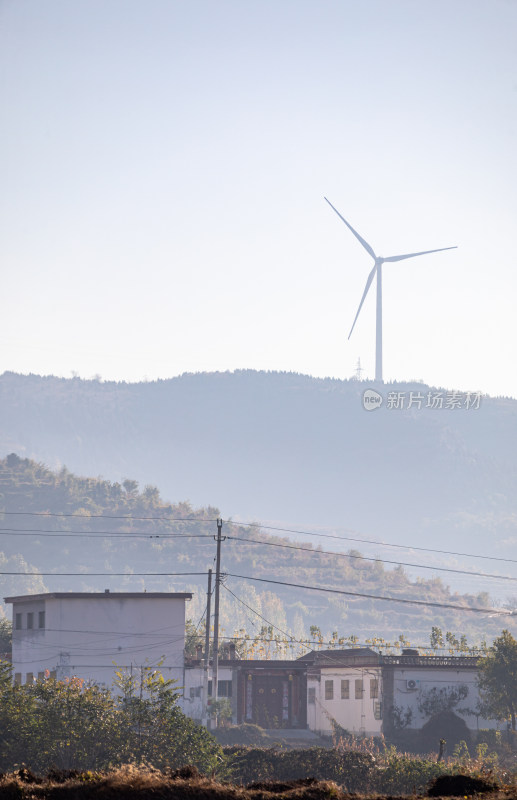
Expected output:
(70, 724)
(490, 737)
(242, 735)
(350, 769)
(403, 774)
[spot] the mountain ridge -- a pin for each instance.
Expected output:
(283, 446)
(61, 532)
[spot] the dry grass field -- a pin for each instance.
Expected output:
(146, 783)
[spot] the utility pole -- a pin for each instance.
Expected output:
(206, 716)
(216, 614)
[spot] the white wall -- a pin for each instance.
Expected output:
(426, 679)
(194, 701)
(355, 715)
(92, 637)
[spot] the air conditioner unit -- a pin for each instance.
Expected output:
(412, 685)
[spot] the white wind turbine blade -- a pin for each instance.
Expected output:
(423, 253)
(359, 238)
(368, 284)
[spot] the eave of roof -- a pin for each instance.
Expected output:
(29, 598)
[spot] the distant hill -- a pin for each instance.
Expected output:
(283, 447)
(72, 527)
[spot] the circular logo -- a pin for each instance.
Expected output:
(371, 399)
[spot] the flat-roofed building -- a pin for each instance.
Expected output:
(92, 635)
(344, 687)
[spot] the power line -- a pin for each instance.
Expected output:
(103, 574)
(328, 644)
(102, 534)
(369, 558)
(438, 651)
(79, 655)
(427, 603)
(120, 634)
(370, 541)
(103, 516)
(142, 535)
(259, 615)
(263, 527)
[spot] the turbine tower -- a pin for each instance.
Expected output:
(377, 270)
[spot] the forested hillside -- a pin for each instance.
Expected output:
(283, 447)
(56, 522)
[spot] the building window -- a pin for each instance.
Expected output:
(17, 678)
(195, 691)
(377, 709)
(53, 674)
(374, 688)
(41, 619)
(18, 622)
(358, 690)
(345, 690)
(29, 679)
(312, 694)
(30, 621)
(329, 690)
(224, 688)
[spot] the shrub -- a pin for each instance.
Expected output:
(69, 724)
(348, 768)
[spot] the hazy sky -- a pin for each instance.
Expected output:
(163, 167)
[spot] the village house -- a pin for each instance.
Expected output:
(269, 693)
(357, 690)
(344, 690)
(92, 635)
(197, 691)
(412, 681)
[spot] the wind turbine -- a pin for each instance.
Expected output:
(377, 270)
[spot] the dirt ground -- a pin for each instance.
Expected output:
(131, 783)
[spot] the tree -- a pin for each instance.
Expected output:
(157, 731)
(497, 679)
(193, 640)
(130, 486)
(436, 637)
(71, 723)
(6, 632)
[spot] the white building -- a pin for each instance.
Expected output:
(92, 635)
(409, 679)
(198, 689)
(344, 687)
(363, 692)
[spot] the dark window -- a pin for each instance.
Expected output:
(41, 619)
(18, 622)
(312, 695)
(30, 621)
(224, 688)
(374, 688)
(329, 690)
(358, 690)
(345, 690)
